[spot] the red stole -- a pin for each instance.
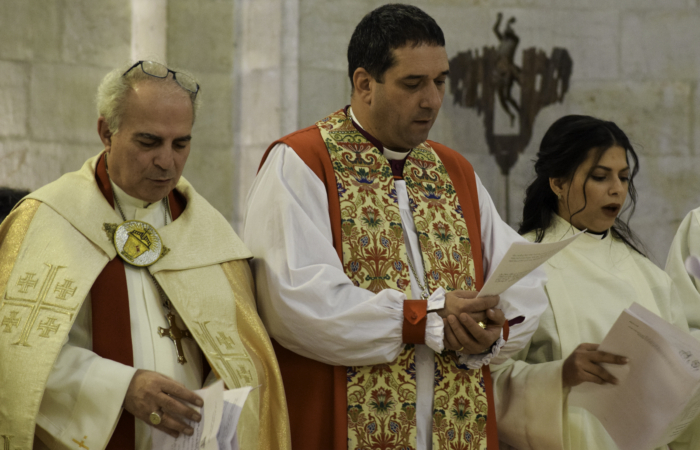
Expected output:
(316, 392)
(110, 311)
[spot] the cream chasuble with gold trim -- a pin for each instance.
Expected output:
(54, 247)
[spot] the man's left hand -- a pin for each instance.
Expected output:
(465, 335)
(458, 302)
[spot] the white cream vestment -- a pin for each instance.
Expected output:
(687, 243)
(590, 283)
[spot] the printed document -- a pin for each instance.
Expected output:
(658, 393)
(521, 259)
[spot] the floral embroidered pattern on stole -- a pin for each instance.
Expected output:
(382, 398)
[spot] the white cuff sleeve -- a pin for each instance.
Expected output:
(482, 359)
(104, 393)
(82, 400)
(434, 329)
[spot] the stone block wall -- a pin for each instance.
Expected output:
(268, 67)
(200, 39)
(635, 63)
(53, 55)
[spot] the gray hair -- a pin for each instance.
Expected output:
(115, 85)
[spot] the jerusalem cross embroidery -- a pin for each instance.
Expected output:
(65, 290)
(241, 375)
(382, 398)
(6, 441)
(37, 313)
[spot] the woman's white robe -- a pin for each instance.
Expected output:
(590, 283)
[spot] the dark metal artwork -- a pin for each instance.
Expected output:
(477, 79)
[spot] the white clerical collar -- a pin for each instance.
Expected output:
(593, 234)
(126, 199)
(388, 153)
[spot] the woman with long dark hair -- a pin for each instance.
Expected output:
(585, 179)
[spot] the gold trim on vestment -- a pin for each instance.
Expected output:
(12, 232)
(30, 292)
(274, 421)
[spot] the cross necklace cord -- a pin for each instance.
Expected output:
(425, 294)
(175, 333)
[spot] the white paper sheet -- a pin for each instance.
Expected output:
(233, 407)
(659, 389)
(521, 259)
(217, 429)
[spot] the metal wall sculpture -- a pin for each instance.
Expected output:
(476, 80)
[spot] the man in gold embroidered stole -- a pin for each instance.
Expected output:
(371, 244)
(121, 289)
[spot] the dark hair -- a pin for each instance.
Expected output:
(385, 29)
(565, 146)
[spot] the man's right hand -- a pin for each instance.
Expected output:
(152, 391)
(464, 335)
(462, 312)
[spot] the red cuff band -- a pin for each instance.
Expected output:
(415, 319)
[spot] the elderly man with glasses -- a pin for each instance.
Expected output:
(122, 290)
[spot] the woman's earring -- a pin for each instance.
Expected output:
(559, 195)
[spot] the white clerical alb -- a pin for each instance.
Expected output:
(147, 313)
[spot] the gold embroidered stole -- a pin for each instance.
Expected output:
(40, 296)
(382, 398)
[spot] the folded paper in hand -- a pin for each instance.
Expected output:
(217, 429)
(658, 394)
(521, 259)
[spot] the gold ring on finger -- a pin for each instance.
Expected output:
(482, 324)
(155, 417)
(460, 349)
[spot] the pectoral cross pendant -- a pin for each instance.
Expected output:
(176, 335)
